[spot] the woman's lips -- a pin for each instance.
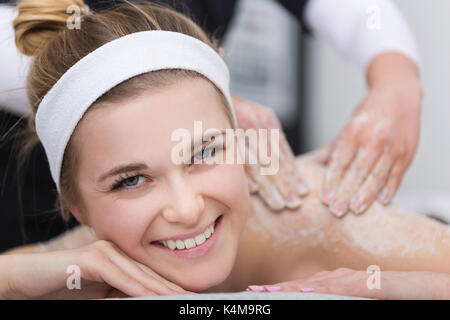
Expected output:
(187, 235)
(197, 250)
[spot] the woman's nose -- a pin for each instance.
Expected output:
(184, 204)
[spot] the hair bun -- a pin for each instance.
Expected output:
(39, 20)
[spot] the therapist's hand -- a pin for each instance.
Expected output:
(105, 272)
(286, 187)
(378, 144)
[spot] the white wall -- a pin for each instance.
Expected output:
(335, 89)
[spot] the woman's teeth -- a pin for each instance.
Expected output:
(190, 242)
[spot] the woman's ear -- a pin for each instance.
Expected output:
(78, 214)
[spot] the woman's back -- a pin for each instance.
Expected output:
(294, 244)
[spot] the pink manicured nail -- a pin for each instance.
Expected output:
(357, 206)
(256, 288)
(275, 200)
(339, 207)
(274, 204)
(252, 187)
(293, 201)
(307, 289)
(384, 197)
(273, 288)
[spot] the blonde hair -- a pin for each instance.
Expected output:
(41, 31)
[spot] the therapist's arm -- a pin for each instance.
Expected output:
(14, 67)
(372, 153)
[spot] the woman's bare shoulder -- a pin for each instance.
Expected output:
(306, 226)
(297, 241)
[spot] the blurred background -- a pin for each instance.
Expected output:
(329, 88)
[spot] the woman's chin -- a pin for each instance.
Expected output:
(204, 285)
(204, 278)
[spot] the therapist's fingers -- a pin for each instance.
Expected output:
(267, 191)
(289, 185)
(277, 190)
(286, 181)
(250, 169)
(341, 158)
(393, 182)
(287, 178)
(372, 185)
(296, 183)
(353, 178)
(252, 186)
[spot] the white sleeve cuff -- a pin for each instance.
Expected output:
(14, 67)
(361, 29)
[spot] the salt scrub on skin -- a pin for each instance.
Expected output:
(319, 228)
(387, 237)
(277, 228)
(361, 119)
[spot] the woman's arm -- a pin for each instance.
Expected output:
(97, 270)
(387, 285)
(375, 36)
(4, 278)
(77, 237)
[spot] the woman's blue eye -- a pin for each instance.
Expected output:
(129, 182)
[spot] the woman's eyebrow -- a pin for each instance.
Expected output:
(122, 169)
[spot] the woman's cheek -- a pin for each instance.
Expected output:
(230, 187)
(123, 221)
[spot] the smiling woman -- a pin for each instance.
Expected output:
(164, 201)
(163, 227)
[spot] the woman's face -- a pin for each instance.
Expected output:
(159, 199)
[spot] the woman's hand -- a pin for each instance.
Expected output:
(375, 149)
(286, 187)
(104, 271)
(392, 285)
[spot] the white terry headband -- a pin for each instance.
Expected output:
(65, 103)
